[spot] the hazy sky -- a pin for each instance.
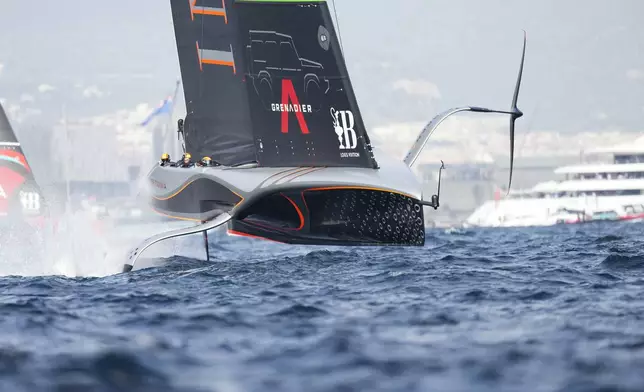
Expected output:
(408, 59)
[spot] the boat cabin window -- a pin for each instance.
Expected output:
(619, 192)
(634, 208)
(608, 176)
(630, 158)
(605, 214)
(558, 195)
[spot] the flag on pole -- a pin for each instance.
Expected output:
(163, 108)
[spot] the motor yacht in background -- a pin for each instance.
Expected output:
(588, 192)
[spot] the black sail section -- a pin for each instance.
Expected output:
(218, 120)
(266, 81)
(302, 103)
(6, 132)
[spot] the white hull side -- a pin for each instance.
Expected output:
(540, 212)
(392, 175)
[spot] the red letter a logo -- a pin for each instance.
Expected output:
(288, 97)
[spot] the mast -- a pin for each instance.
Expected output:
(169, 124)
(162, 133)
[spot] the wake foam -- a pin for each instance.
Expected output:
(79, 246)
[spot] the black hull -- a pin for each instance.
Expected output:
(334, 216)
(201, 199)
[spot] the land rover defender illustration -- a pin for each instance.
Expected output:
(272, 56)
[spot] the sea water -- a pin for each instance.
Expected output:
(531, 309)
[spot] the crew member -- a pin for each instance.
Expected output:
(206, 161)
(186, 161)
(165, 159)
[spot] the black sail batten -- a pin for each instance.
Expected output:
(266, 82)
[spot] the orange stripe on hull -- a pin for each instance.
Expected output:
(175, 193)
(239, 233)
(190, 182)
(307, 172)
(277, 174)
(299, 212)
(364, 188)
(175, 217)
(300, 170)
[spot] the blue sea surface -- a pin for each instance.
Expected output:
(532, 309)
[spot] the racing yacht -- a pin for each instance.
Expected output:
(269, 100)
(22, 206)
(612, 190)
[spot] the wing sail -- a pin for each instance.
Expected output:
(266, 81)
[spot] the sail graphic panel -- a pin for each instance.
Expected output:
(20, 196)
(301, 99)
(266, 81)
(218, 120)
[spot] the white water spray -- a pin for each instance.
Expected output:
(80, 246)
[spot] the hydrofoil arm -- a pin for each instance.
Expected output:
(134, 254)
(429, 129)
(427, 132)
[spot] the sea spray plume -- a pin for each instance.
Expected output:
(72, 247)
(20, 248)
(78, 247)
(85, 245)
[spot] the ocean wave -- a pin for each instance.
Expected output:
(481, 310)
